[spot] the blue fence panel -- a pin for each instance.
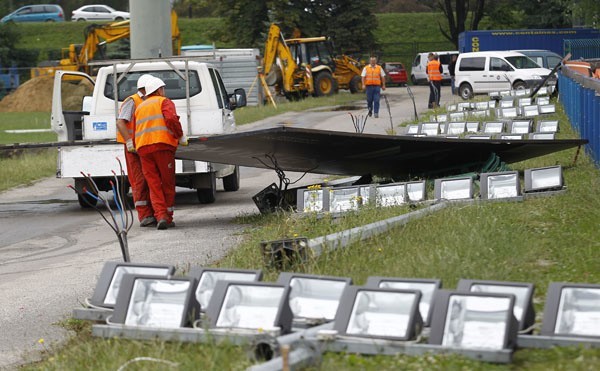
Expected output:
(580, 96)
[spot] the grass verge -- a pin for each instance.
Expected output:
(25, 120)
(26, 168)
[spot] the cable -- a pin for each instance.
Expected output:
(147, 359)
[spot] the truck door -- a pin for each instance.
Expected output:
(68, 97)
(223, 100)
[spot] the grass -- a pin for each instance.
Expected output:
(539, 240)
(25, 120)
(26, 168)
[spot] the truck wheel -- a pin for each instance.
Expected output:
(519, 85)
(324, 84)
(355, 84)
(465, 91)
(86, 201)
(208, 195)
(231, 183)
(413, 79)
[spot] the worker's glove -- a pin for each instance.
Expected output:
(183, 141)
(130, 146)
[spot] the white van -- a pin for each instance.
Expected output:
(483, 72)
(418, 72)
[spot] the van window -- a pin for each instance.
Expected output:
(174, 85)
(472, 64)
(417, 60)
(553, 61)
(522, 62)
(222, 98)
(446, 58)
(497, 64)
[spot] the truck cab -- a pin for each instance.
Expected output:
(85, 109)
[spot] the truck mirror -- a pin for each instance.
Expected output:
(238, 98)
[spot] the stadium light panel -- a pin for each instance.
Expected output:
(543, 179)
(207, 279)
(572, 310)
(499, 185)
(453, 188)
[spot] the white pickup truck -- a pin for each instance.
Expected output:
(84, 108)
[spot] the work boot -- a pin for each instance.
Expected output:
(370, 113)
(148, 221)
(376, 115)
(163, 224)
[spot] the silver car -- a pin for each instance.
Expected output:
(98, 13)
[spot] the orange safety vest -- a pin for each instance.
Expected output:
(150, 125)
(433, 70)
(131, 124)
(373, 75)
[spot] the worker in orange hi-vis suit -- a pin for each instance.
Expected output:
(126, 126)
(157, 134)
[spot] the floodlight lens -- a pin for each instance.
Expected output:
(381, 313)
(427, 290)
(315, 298)
(520, 293)
(413, 129)
(456, 128)
(209, 279)
(476, 322)
(578, 312)
(344, 199)
(456, 189)
(493, 127)
(520, 127)
(546, 178)
(115, 283)
(157, 303)
(391, 195)
(548, 126)
(251, 307)
(415, 191)
(502, 186)
(313, 200)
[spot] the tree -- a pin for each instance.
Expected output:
(245, 21)
(546, 14)
(457, 13)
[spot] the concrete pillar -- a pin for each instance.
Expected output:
(150, 28)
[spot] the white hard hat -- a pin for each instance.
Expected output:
(141, 83)
(153, 85)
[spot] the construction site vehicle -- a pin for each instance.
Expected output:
(84, 109)
(96, 36)
(347, 73)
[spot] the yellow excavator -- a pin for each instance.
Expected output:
(300, 67)
(76, 56)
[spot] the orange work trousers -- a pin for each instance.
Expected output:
(159, 170)
(139, 187)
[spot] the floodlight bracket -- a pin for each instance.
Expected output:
(92, 314)
(545, 342)
(285, 252)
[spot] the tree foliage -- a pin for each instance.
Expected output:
(460, 14)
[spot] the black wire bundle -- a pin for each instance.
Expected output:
(125, 213)
(359, 122)
(387, 104)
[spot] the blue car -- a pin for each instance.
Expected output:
(36, 13)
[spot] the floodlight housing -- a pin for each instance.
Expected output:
(520, 127)
(507, 103)
(542, 91)
(458, 188)
(392, 194)
(510, 112)
(472, 127)
(523, 309)
(457, 116)
(313, 297)
(463, 106)
(456, 128)
(156, 301)
(379, 313)
(250, 305)
(492, 103)
(530, 111)
(542, 101)
(110, 281)
(542, 136)
(207, 279)
(495, 127)
(481, 105)
(430, 128)
(524, 102)
(479, 113)
(441, 118)
(547, 126)
(427, 287)
(572, 310)
(412, 129)
(452, 108)
(471, 320)
(311, 200)
(543, 179)
(499, 185)
(344, 198)
(416, 191)
(547, 108)
(522, 92)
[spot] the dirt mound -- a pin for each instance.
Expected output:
(33, 96)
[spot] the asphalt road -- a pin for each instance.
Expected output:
(51, 251)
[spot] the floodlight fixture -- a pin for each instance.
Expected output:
(542, 101)
(572, 310)
(430, 128)
(547, 126)
(479, 137)
(457, 116)
(313, 297)
(111, 277)
(495, 127)
(522, 92)
(441, 118)
(412, 129)
(392, 194)
(367, 193)
(547, 108)
(310, 200)
(156, 301)
(257, 306)
(416, 191)
(530, 111)
(474, 320)
(521, 102)
(509, 112)
(344, 199)
(472, 126)
(542, 91)
(542, 136)
(511, 136)
(481, 105)
(458, 188)
(523, 309)
(452, 108)
(499, 185)
(520, 127)
(464, 106)
(456, 128)
(543, 179)
(207, 279)
(379, 313)
(427, 287)
(507, 103)
(492, 104)
(479, 113)
(505, 93)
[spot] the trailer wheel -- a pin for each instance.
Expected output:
(465, 91)
(231, 183)
(86, 201)
(208, 195)
(324, 84)
(356, 84)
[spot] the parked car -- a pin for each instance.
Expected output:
(483, 72)
(418, 72)
(545, 58)
(98, 13)
(395, 73)
(36, 13)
